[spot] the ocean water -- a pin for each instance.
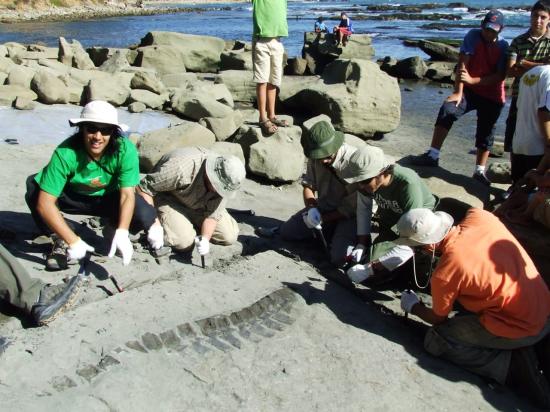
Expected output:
(233, 21)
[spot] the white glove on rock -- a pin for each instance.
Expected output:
(359, 273)
(78, 249)
(312, 218)
(121, 242)
(155, 236)
(203, 245)
(408, 300)
(357, 253)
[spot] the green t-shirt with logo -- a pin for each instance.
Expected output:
(71, 168)
(269, 18)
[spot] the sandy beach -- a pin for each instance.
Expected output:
(171, 341)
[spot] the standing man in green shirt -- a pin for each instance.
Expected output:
(269, 19)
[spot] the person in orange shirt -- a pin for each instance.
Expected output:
(505, 333)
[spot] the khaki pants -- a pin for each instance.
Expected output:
(16, 286)
(180, 225)
(465, 342)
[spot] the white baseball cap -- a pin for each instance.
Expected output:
(99, 111)
(225, 173)
(422, 227)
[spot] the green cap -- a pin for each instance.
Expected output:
(321, 141)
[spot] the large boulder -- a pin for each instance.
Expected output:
(240, 84)
(500, 172)
(153, 145)
(236, 60)
(439, 51)
(21, 76)
(49, 88)
(147, 81)
(3, 77)
(410, 68)
(117, 62)
(223, 127)
(229, 149)
(149, 99)
(6, 64)
(196, 106)
(178, 80)
(3, 50)
(163, 59)
(74, 55)
(14, 48)
(441, 71)
(279, 157)
(112, 89)
(359, 97)
(199, 53)
(54, 65)
(76, 89)
(8, 94)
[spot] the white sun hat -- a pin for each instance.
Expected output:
(226, 174)
(99, 111)
(367, 162)
(422, 227)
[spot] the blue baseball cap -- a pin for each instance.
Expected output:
(493, 20)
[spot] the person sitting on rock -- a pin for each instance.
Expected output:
(329, 201)
(190, 186)
(93, 172)
(479, 86)
(320, 26)
(395, 189)
(485, 269)
(42, 302)
(343, 31)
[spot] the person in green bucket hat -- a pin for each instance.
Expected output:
(329, 201)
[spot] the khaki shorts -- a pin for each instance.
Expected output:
(267, 58)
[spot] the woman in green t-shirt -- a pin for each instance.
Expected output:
(93, 172)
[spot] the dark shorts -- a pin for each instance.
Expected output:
(521, 164)
(488, 112)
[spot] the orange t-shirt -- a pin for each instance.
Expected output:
(488, 272)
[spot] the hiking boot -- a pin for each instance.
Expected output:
(54, 299)
(424, 160)
(525, 377)
(481, 178)
(57, 259)
(543, 355)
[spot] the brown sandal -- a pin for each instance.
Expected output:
(279, 122)
(268, 127)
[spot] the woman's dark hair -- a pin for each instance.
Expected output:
(77, 140)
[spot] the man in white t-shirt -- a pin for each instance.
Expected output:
(532, 136)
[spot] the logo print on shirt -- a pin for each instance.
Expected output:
(96, 182)
(531, 79)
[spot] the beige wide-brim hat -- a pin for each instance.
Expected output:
(225, 173)
(365, 163)
(422, 227)
(99, 111)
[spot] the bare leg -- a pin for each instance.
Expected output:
(439, 136)
(271, 97)
(261, 96)
(482, 156)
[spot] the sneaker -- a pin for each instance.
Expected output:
(481, 178)
(543, 355)
(57, 259)
(424, 160)
(525, 377)
(506, 194)
(54, 299)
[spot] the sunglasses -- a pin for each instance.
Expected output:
(104, 130)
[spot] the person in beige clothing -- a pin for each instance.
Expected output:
(189, 187)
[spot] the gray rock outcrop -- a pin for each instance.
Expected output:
(49, 88)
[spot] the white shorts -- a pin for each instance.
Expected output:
(267, 58)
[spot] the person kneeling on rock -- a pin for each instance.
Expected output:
(189, 187)
(395, 189)
(42, 302)
(503, 331)
(93, 172)
(332, 211)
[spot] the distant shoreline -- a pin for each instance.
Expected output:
(86, 12)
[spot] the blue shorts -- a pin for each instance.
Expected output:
(488, 112)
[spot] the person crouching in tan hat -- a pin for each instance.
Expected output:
(330, 202)
(94, 172)
(395, 189)
(189, 187)
(486, 270)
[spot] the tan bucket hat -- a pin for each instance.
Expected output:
(422, 227)
(226, 174)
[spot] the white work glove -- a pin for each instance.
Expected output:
(121, 241)
(357, 253)
(408, 300)
(203, 245)
(312, 218)
(78, 250)
(155, 236)
(359, 273)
